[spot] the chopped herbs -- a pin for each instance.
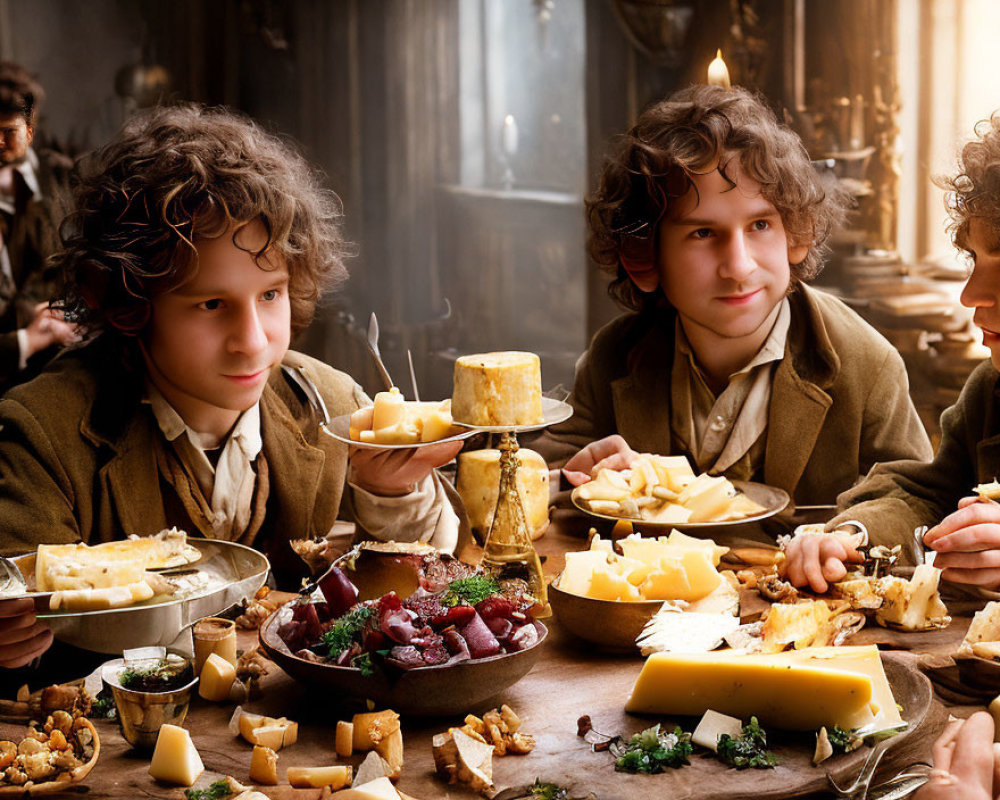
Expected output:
(471, 590)
(215, 791)
(547, 791)
(840, 740)
(652, 750)
(159, 678)
(342, 635)
(103, 706)
(364, 663)
(749, 749)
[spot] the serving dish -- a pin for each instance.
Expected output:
(340, 429)
(422, 691)
(231, 571)
(610, 624)
(67, 784)
(553, 412)
(773, 500)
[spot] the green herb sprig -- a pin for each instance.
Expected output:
(748, 750)
(470, 590)
(653, 750)
(842, 741)
(342, 635)
(215, 791)
(547, 791)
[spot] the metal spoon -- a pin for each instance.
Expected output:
(373, 347)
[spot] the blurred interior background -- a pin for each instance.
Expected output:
(463, 136)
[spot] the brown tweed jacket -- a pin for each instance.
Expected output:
(839, 401)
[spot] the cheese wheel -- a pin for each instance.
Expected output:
(479, 483)
(497, 389)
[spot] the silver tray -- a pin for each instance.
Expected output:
(234, 572)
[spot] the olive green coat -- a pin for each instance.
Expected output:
(839, 400)
(82, 459)
(898, 497)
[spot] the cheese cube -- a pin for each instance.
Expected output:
(712, 726)
(175, 759)
(378, 789)
(335, 777)
(361, 420)
(668, 582)
(389, 409)
(682, 540)
(666, 514)
(391, 749)
(436, 425)
(403, 432)
(580, 567)
(264, 766)
(606, 585)
(344, 746)
(373, 726)
(479, 482)
(674, 471)
(216, 679)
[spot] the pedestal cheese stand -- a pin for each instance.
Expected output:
(508, 551)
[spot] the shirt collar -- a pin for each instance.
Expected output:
(773, 348)
(246, 431)
(28, 170)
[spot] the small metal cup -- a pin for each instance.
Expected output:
(140, 714)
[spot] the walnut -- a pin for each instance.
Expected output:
(37, 766)
(30, 746)
(520, 744)
(15, 775)
(64, 759)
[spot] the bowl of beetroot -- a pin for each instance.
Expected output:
(451, 640)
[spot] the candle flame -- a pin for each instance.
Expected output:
(718, 72)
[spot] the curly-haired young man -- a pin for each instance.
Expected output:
(199, 246)
(709, 217)
(897, 498)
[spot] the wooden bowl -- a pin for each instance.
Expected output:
(424, 691)
(610, 624)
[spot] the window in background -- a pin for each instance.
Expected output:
(510, 232)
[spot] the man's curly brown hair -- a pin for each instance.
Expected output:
(651, 166)
(20, 93)
(975, 190)
(171, 176)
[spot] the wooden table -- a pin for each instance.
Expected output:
(569, 680)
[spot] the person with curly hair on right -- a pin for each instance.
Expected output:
(710, 218)
(897, 498)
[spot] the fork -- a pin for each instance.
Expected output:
(859, 789)
(373, 347)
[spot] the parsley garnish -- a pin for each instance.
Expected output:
(547, 791)
(471, 590)
(341, 636)
(652, 750)
(749, 749)
(215, 791)
(840, 740)
(364, 663)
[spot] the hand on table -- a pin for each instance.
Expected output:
(967, 543)
(392, 473)
(817, 559)
(22, 637)
(611, 452)
(965, 764)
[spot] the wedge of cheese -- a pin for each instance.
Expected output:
(175, 759)
(796, 690)
(378, 789)
(335, 777)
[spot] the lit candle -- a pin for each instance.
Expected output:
(718, 72)
(509, 138)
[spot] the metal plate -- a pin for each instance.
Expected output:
(771, 498)
(340, 429)
(234, 572)
(553, 412)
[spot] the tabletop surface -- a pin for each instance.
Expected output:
(569, 680)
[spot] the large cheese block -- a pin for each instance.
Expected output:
(498, 389)
(118, 563)
(795, 690)
(479, 483)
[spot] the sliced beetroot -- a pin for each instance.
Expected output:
(456, 615)
(495, 607)
(524, 637)
(405, 657)
(480, 639)
(397, 624)
(500, 627)
(338, 591)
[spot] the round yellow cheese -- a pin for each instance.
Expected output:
(497, 389)
(479, 483)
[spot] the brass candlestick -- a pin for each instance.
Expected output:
(509, 551)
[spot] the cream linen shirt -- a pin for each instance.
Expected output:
(425, 514)
(720, 431)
